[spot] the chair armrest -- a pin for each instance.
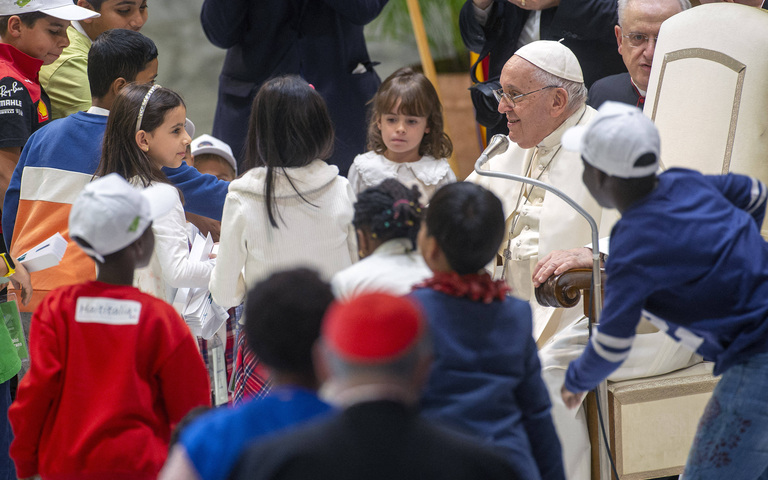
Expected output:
(565, 290)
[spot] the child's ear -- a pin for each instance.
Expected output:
(86, 4)
(142, 140)
(362, 243)
(14, 26)
(117, 85)
(430, 249)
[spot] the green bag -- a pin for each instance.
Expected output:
(12, 319)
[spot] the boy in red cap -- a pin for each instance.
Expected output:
(375, 352)
(112, 369)
(486, 378)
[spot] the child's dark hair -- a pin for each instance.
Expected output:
(289, 127)
(417, 98)
(389, 210)
(117, 53)
(468, 223)
(120, 152)
(283, 315)
(96, 4)
(28, 19)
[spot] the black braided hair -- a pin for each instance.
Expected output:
(389, 210)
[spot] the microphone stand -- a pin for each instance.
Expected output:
(601, 392)
(597, 301)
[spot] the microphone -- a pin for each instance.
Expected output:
(499, 144)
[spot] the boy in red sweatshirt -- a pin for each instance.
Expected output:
(112, 369)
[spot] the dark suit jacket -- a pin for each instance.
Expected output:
(617, 88)
(585, 25)
(321, 40)
(373, 440)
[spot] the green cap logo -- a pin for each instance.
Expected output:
(22, 3)
(134, 224)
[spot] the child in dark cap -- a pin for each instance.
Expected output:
(486, 377)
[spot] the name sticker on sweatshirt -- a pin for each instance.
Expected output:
(107, 311)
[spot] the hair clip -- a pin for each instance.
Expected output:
(409, 223)
(402, 201)
(144, 106)
(374, 235)
(386, 224)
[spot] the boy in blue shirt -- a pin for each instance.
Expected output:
(688, 255)
(486, 377)
(283, 317)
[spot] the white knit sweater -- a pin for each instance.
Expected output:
(315, 232)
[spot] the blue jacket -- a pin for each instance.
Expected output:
(689, 257)
(486, 380)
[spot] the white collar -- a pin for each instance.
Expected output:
(641, 91)
(98, 111)
(376, 168)
(553, 139)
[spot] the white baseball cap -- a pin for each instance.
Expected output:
(62, 9)
(553, 57)
(208, 144)
(110, 214)
(615, 139)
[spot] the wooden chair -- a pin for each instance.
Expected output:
(650, 422)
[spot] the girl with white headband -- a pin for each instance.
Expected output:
(146, 131)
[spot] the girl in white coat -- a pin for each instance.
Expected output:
(290, 208)
(145, 132)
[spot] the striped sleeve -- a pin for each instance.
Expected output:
(604, 354)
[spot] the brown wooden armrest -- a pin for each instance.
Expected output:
(565, 290)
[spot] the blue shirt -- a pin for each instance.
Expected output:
(214, 442)
(690, 258)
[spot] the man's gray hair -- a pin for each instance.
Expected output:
(401, 367)
(577, 92)
(622, 7)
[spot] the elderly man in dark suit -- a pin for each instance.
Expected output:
(636, 33)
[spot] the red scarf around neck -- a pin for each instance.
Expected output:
(476, 287)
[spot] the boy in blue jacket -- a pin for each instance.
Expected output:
(688, 255)
(486, 377)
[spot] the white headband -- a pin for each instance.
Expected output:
(144, 106)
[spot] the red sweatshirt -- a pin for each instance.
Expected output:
(112, 371)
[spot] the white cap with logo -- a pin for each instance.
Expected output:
(209, 144)
(62, 9)
(110, 214)
(615, 139)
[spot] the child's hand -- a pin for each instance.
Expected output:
(571, 400)
(20, 280)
